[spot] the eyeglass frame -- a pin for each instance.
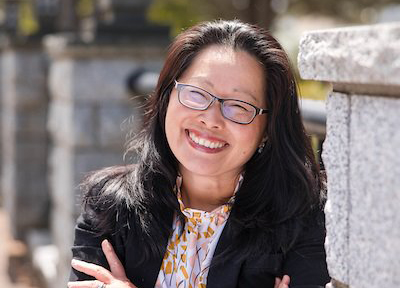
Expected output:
(258, 111)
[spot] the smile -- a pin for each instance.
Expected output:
(205, 143)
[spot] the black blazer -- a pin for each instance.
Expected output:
(304, 263)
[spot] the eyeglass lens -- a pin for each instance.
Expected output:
(199, 99)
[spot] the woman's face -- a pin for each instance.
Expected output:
(226, 74)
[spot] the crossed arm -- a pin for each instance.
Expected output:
(116, 277)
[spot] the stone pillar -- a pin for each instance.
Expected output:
(90, 113)
(24, 138)
(361, 151)
(1, 121)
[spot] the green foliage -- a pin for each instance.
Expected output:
(84, 8)
(314, 90)
(178, 14)
(27, 21)
(347, 10)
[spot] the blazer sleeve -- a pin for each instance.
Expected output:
(88, 235)
(87, 245)
(305, 263)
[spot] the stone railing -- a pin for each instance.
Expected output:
(65, 110)
(24, 137)
(361, 151)
(90, 112)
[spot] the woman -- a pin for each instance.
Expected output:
(226, 192)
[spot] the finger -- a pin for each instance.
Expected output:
(277, 282)
(96, 271)
(116, 267)
(286, 280)
(85, 284)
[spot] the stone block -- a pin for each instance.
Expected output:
(1, 153)
(60, 79)
(87, 161)
(28, 202)
(31, 123)
(63, 225)
(336, 160)
(72, 125)
(374, 223)
(24, 76)
(24, 138)
(84, 125)
(59, 122)
(60, 176)
(352, 55)
(115, 121)
(104, 79)
(33, 151)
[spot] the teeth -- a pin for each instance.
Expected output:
(204, 142)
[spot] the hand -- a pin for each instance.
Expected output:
(282, 283)
(116, 278)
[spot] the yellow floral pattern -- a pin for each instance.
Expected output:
(188, 257)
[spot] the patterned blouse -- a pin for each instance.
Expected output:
(188, 257)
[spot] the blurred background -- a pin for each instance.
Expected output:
(73, 78)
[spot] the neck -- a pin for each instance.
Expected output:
(206, 192)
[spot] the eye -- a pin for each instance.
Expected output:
(238, 107)
(196, 96)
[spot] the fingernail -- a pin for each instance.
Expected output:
(75, 262)
(107, 243)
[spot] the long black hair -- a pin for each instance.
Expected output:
(282, 184)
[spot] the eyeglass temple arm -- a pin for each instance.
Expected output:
(262, 111)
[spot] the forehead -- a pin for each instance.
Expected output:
(227, 72)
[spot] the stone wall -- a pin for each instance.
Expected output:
(24, 138)
(361, 151)
(90, 114)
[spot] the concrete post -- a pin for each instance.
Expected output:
(361, 151)
(90, 113)
(24, 138)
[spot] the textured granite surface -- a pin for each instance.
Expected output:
(374, 222)
(361, 151)
(336, 159)
(365, 54)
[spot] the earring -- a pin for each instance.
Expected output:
(261, 147)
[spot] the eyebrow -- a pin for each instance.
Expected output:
(234, 90)
(246, 92)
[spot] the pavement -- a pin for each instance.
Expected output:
(15, 268)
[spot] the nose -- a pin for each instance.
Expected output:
(212, 117)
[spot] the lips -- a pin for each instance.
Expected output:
(204, 142)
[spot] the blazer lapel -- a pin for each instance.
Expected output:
(145, 275)
(224, 274)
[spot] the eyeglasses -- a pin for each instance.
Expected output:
(235, 110)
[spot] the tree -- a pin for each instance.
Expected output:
(180, 14)
(347, 10)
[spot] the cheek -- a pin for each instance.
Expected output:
(250, 139)
(169, 124)
(173, 123)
